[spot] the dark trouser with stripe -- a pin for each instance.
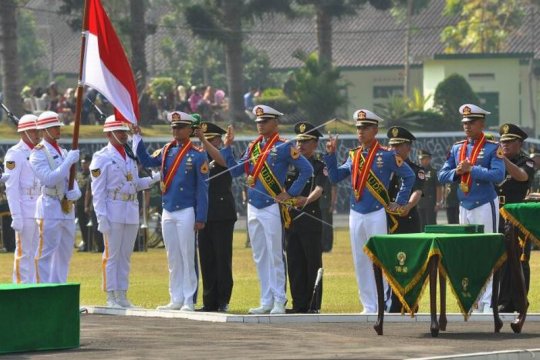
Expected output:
(215, 251)
(304, 258)
(508, 290)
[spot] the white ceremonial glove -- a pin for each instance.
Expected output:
(72, 157)
(73, 195)
(17, 224)
(156, 176)
(103, 225)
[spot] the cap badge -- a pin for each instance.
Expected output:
(361, 115)
(466, 110)
(395, 132)
(259, 111)
(176, 116)
(505, 129)
(302, 128)
(204, 127)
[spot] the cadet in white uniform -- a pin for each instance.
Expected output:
(22, 190)
(115, 182)
(55, 212)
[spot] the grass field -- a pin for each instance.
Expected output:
(149, 278)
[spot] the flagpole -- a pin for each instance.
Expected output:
(78, 108)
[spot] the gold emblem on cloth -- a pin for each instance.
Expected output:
(395, 132)
(466, 110)
(464, 187)
(302, 128)
(505, 129)
(361, 115)
(129, 176)
(250, 180)
(259, 111)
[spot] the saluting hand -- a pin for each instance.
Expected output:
(229, 137)
(331, 144)
(198, 132)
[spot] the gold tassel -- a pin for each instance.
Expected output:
(67, 205)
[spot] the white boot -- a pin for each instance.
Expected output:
(111, 300)
(121, 299)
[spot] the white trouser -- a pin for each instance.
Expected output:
(56, 238)
(179, 238)
(487, 215)
(266, 235)
(26, 242)
(116, 259)
(361, 228)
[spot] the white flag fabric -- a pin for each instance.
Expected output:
(106, 67)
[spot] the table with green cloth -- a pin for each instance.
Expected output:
(522, 226)
(409, 260)
(39, 317)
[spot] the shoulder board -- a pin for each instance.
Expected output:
(385, 148)
(529, 163)
(282, 139)
(156, 153)
(356, 148)
(459, 142)
(421, 174)
(492, 142)
(39, 147)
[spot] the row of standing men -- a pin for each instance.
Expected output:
(383, 183)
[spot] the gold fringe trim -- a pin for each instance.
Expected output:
(467, 314)
(394, 284)
(505, 214)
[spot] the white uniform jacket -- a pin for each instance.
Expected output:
(53, 173)
(22, 186)
(115, 183)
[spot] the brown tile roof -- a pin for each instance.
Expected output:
(371, 38)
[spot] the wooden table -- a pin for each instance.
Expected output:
(456, 256)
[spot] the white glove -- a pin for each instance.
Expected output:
(72, 157)
(17, 224)
(103, 225)
(73, 195)
(156, 176)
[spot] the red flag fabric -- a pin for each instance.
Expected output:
(106, 67)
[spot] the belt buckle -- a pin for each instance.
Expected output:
(502, 199)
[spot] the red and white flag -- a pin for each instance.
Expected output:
(106, 67)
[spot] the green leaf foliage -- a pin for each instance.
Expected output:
(450, 94)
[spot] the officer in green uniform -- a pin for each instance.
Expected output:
(400, 140)
(514, 188)
(430, 202)
(303, 226)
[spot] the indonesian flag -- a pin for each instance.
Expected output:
(105, 66)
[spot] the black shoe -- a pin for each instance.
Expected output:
(207, 309)
(223, 308)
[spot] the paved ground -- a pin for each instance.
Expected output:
(122, 337)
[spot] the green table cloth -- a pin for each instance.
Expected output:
(467, 260)
(39, 317)
(526, 217)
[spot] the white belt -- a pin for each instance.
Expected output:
(53, 192)
(114, 195)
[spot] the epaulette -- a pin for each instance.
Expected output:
(492, 141)
(459, 142)
(385, 148)
(156, 153)
(39, 147)
(283, 139)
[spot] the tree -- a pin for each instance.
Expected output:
(485, 24)
(223, 21)
(30, 50)
(450, 94)
(9, 55)
(318, 89)
(326, 10)
(404, 11)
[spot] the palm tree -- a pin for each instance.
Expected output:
(9, 58)
(223, 21)
(326, 10)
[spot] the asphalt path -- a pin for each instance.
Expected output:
(125, 337)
